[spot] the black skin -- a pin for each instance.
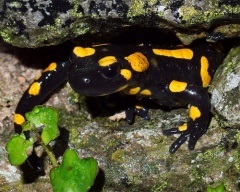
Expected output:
(86, 77)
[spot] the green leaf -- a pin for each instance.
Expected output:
(75, 174)
(27, 126)
(46, 118)
(220, 188)
(18, 149)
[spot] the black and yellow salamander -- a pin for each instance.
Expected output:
(171, 76)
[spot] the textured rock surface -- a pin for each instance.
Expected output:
(225, 90)
(38, 23)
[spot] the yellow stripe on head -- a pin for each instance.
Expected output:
(83, 52)
(206, 78)
(138, 62)
(177, 53)
(106, 61)
(127, 74)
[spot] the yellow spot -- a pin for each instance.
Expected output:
(132, 91)
(83, 52)
(145, 92)
(51, 67)
(177, 86)
(138, 62)
(138, 106)
(206, 78)
(127, 74)
(18, 119)
(194, 113)
(183, 127)
(106, 61)
(177, 53)
(34, 89)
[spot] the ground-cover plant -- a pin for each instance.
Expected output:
(73, 174)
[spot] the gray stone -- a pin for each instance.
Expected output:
(225, 90)
(38, 23)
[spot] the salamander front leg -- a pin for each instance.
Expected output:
(137, 110)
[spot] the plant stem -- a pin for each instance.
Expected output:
(50, 154)
(48, 149)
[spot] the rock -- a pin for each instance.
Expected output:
(225, 91)
(38, 23)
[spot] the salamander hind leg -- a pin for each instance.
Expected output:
(199, 117)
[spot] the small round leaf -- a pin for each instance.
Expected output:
(75, 174)
(18, 149)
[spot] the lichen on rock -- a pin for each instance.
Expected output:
(38, 23)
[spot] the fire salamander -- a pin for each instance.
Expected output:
(173, 76)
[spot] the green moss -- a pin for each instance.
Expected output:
(152, 2)
(188, 12)
(231, 60)
(10, 37)
(231, 9)
(208, 155)
(112, 143)
(58, 22)
(6, 35)
(74, 12)
(118, 155)
(194, 16)
(237, 136)
(72, 120)
(166, 2)
(136, 9)
(15, 4)
(236, 156)
(197, 174)
(5, 188)
(160, 187)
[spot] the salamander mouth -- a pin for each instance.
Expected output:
(96, 86)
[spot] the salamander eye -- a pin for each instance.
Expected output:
(110, 71)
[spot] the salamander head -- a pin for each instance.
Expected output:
(96, 75)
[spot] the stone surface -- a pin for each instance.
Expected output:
(225, 90)
(38, 23)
